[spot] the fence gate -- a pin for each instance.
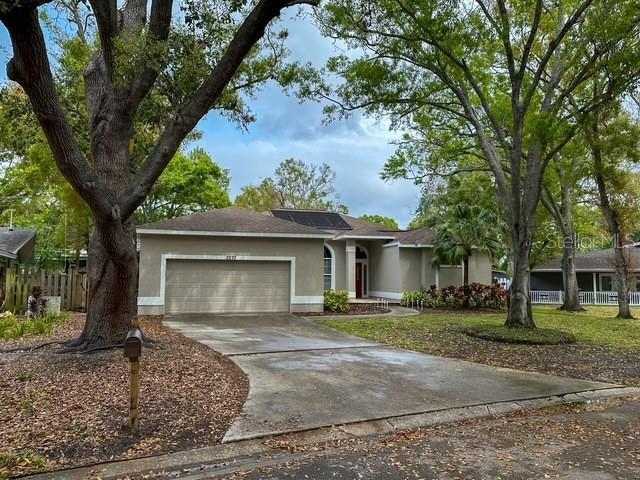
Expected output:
(70, 286)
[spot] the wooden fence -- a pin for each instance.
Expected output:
(70, 286)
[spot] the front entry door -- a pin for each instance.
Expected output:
(358, 280)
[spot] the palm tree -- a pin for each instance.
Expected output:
(461, 230)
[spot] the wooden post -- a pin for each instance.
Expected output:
(134, 394)
(134, 385)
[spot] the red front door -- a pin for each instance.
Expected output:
(358, 280)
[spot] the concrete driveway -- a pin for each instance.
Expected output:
(304, 376)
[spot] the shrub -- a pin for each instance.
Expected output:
(12, 326)
(336, 300)
(430, 298)
(536, 336)
(475, 295)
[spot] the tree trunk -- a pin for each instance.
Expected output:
(571, 301)
(622, 281)
(613, 223)
(465, 268)
(520, 314)
(112, 296)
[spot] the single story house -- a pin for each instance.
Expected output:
(594, 270)
(16, 246)
(235, 260)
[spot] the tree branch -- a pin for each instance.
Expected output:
(30, 68)
(159, 24)
(249, 33)
(551, 50)
(106, 12)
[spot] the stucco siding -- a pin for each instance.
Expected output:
(410, 269)
(450, 275)
(428, 278)
(384, 273)
(480, 268)
(308, 254)
(340, 273)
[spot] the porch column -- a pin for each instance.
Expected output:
(350, 256)
(595, 286)
(437, 271)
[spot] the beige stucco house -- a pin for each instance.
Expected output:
(234, 260)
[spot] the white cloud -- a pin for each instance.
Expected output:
(355, 148)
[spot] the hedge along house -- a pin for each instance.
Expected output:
(234, 260)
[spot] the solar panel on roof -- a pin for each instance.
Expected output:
(329, 220)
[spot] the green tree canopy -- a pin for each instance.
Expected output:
(191, 183)
(460, 231)
(381, 220)
(488, 86)
(295, 184)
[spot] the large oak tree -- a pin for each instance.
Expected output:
(488, 78)
(133, 52)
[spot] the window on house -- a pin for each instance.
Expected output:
(328, 271)
(607, 284)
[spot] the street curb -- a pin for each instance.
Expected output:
(174, 464)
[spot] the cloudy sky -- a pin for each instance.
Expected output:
(356, 149)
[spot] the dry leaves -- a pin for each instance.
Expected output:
(71, 409)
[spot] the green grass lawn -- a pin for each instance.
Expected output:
(595, 326)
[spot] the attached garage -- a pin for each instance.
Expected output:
(230, 260)
(218, 286)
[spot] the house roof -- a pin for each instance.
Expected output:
(12, 242)
(596, 260)
(284, 222)
(420, 236)
(352, 227)
(232, 220)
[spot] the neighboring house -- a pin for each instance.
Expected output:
(16, 246)
(594, 271)
(235, 260)
(501, 277)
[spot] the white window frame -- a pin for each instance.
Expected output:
(333, 266)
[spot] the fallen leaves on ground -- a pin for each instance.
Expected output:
(60, 410)
(591, 362)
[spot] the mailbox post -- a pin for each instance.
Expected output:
(133, 351)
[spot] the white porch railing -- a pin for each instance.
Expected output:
(547, 297)
(556, 297)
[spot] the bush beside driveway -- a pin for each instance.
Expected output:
(607, 349)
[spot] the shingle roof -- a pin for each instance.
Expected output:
(365, 228)
(596, 260)
(241, 220)
(421, 236)
(12, 241)
(233, 220)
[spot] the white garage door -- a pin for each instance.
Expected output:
(212, 286)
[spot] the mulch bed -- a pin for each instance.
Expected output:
(590, 362)
(355, 309)
(72, 409)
